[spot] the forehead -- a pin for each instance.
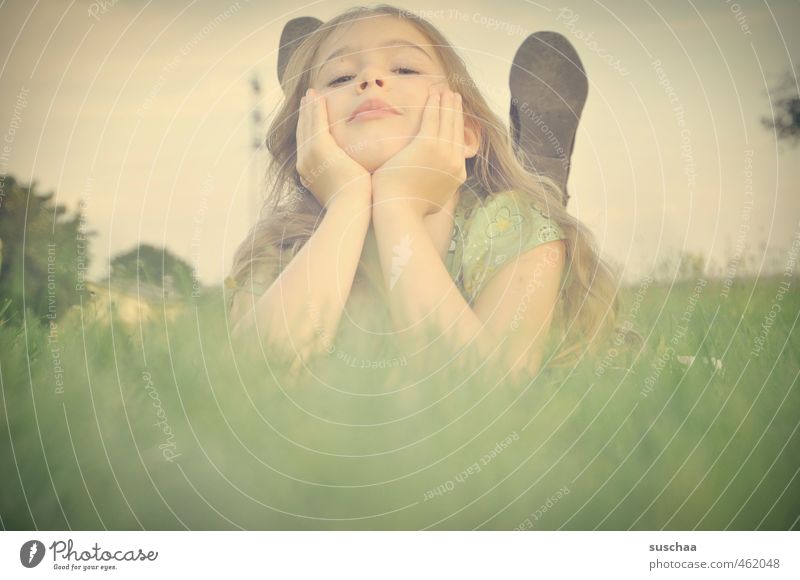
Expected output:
(369, 33)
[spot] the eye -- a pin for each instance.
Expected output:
(339, 80)
(399, 70)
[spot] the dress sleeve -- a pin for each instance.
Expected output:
(498, 231)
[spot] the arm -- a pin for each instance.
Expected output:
(439, 226)
(510, 318)
(514, 310)
(302, 308)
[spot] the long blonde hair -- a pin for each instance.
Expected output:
(290, 213)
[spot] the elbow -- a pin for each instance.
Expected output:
(277, 345)
(514, 362)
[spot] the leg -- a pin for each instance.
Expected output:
(548, 90)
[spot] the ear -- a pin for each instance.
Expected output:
(472, 138)
(294, 33)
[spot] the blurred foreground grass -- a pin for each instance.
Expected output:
(164, 427)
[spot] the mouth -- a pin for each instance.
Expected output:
(372, 109)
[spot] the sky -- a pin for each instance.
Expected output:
(143, 110)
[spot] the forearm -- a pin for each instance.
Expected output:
(422, 290)
(302, 308)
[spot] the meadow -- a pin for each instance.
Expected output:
(166, 426)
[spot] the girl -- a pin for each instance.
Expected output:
(392, 178)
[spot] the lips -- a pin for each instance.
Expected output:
(373, 105)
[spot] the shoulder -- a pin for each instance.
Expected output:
(508, 214)
(498, 229)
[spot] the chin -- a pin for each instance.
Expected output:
(373, 156)
(371, 161)
(372, 149)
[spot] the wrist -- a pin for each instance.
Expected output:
(352, 199)
(398, 208)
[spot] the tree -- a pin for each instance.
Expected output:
(154, 267)
(786, 107)
(44, 252)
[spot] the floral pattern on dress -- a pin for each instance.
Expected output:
(472, 283)
(492, 235)
(504, 222)
(548, 233)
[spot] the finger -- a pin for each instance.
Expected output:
(429, 128)
(446, 120)
(319, 114)
(458, 128)
(302, 124)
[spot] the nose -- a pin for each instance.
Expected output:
(370, 74)
(364, 84)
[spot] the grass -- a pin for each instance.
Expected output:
(164, 427)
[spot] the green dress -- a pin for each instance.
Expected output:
(490, 233)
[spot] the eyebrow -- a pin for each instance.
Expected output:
(388, 43)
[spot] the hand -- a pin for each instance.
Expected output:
(426, 173)
(325, 169)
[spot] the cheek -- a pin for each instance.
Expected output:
(415, 113)
(337, 112)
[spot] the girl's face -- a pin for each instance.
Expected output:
(383, 58)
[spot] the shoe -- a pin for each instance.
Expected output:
(548, 90)
(294, 32)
